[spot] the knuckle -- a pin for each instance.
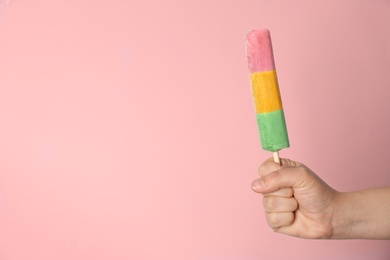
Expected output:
(290, 163)
(295, 164)
(270, 203)
(302, 171)
(260, 170)
(290, 218)
(263, 169)
(287, 162)
(273, 220)
(266, 167)
(289, 192)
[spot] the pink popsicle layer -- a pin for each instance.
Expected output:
(259, 51)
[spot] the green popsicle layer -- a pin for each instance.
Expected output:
(273, 130)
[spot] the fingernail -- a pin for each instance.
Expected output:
(258, 185)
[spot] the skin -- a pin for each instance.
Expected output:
(298, 203)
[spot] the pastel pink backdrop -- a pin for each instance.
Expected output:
(128, 129)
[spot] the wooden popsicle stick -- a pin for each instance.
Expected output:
(277, 158)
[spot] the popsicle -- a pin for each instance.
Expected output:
(265, 90)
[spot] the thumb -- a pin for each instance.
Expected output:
(287, 177)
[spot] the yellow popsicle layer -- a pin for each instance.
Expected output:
(265, 90)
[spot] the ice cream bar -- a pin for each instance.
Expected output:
(265, 90)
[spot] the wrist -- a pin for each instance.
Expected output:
(342, 216)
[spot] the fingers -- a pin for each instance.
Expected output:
(284, 192)
(277, 184)
(276, 204)
(278, 220)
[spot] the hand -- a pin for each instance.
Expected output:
(296, 201)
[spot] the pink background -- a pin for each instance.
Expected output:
(128, 129)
